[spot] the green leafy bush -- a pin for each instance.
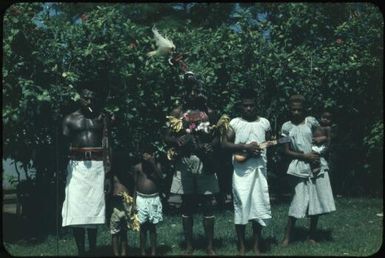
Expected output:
(330, 53)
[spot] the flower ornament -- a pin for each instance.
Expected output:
(186, 116)
(194, 125)
(175, 123)
(203, 126)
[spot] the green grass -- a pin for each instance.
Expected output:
(353, 230)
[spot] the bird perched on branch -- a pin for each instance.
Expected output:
(165, 46)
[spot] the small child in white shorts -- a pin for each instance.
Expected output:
(147, 177)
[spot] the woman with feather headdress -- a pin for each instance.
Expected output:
(194, 136)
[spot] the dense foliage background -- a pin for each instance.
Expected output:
(330, 53)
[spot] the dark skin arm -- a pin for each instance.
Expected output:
(110, 121)
(228, 144)
(308, 157)
(64, 143)
(324, 139)
(118, 187)
(208, 147)
(135, 172)
(115, 179)
(268, 135)
(173, 140)
(107, 118)
(66, 130)
(158, 170)
(321, 139)
(66, 124)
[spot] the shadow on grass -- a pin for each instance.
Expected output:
(170, 210)
(200, 242)
(132, 251)
(22, 231)
(300, 234)
(106, 251)
(163, 249)
(229, 206)
(264, 245)
(267, 243)
(280, 198)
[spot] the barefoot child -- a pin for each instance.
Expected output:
(250, 188)
(312, 193)
(123, 216)
(328, 124)
(147, 177)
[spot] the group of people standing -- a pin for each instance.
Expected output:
(195, 133)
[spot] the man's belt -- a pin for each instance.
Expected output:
(86, 154)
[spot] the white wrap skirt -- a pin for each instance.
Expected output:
(84, 204)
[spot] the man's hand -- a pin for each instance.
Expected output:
(207, 147)
(317, 170)
(269, 143)
(183, 140)
(149, 157)
(311, 157)
(319, 139)
(107, 186)
(252, 147)
(112, 119)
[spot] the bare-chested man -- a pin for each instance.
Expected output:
(84, 204)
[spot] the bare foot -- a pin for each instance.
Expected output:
(312, 241)
(188, 251)
(285, 242)
(91, 252)
(241, 251)
(153, 251)
(210, 251)
(256, 251)
(143, 253)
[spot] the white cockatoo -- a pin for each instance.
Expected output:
(165, 46)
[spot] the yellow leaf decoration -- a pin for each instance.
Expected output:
(175, 124)
(127, 198)
(223, 124)
(135, 224)
(132, 215)
(171, 153)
